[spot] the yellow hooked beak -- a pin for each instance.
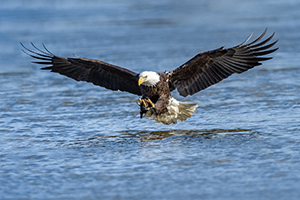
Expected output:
(141, 80)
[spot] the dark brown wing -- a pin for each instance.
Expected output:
(208, 68)
(89, 70)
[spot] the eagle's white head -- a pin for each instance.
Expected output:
(148, 78)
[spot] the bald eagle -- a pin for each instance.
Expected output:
(157, 103)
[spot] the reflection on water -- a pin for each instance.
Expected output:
(146, 136)
(127, 137)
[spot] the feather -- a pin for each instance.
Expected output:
(89, 70)
(211, 67)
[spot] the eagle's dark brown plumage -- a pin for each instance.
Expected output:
(200, 72)
(208, 68)
(89, 70)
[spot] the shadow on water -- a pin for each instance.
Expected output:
(146, 136)
(128, 137)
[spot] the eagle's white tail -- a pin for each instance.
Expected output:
(176, 111)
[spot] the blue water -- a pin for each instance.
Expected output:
(60, 139)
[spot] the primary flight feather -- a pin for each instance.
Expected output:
(157, 103)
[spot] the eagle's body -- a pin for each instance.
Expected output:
(167, 109)
(157, 103)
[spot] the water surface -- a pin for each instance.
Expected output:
(60, 139)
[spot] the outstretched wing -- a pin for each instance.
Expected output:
(208, 68)
(89, 70)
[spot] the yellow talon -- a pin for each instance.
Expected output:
(150, 102)
(141, 102)
(147, 104)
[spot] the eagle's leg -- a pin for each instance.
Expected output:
(145, 103)
(143, 106)
(151, 103)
